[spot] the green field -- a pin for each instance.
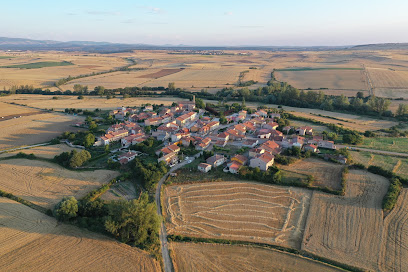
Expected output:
(6, 57)
(387, 144)
(37, 65)
(314, 69)
(397, 164)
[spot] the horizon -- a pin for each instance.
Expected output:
(227, 24)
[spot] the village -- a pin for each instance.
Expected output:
(183, 125)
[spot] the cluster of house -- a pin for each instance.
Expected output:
(183, 125)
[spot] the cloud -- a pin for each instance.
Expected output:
(98, 12)
(153, 10)
(228, 13)
(71, 14)
(250, 26)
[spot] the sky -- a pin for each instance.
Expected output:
(209, 23)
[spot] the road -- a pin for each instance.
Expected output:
(168, 265)
(374, 151)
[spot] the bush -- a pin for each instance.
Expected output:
(66, 209)
(391, 197)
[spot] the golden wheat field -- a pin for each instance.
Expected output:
(237, 210)
(46, 183)
(32, 241)
(394, 250)
(34, 129)
(330, 79)
(48, 151)
(348, 228)
(218, 258)
(89, 103)
(8, 109)
(326, 174)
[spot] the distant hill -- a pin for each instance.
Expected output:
(381, 46)
(107, 47)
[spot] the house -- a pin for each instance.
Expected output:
(263, 162)
(337, 158)
(148, 108)
(169, 159)
(213, 125)
(298, 141)
(224, 136)
(233, 167)
(305, 130)
(204, 167)
(204, 130)
(286, 129)
(327, 144)
(271, 125)
(216, 160)
(155, 121)
(316, 139)
(204, 144)
(271, 147)
(255, 152)
(250, 127)
(234, 135)
(250, 143)
(130, 140)
(221, 143)
(263, 133)
(127, 157)
(260, 113)
(275, 115)
(186, 118)
(168, 149)
(113, 136)
(276, 135)
(241, 129)
(310, 147)
(240, 159)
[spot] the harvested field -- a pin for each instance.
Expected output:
(218, 257)
(348, 229)
(394, 250)
(161, 73)
(48, 151)
(326, 174)
(330, 79)
(46, 183)
(90, 103)
(33, 129)
(316, 128)
(8, 109)
(30, 239)
(389, 82)
(237, 210)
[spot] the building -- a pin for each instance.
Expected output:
(263, 133)
(205, 143)
(310, 147)
(240, 159)
(204, 167)
(127, 157)
(250, 143)
(263, 162)
(224, 136)
(327, 144)
(113, 136)
(234, 167)
(305, 130)
(271, 125)
(216, 160)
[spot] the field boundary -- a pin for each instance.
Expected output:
(299, 253)
(25, 202)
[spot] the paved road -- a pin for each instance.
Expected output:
(168, 265)
(375, 151)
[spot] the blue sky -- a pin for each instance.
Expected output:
(223, 22)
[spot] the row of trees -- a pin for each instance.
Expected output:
(72, 159)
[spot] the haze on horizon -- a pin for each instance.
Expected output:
(209, 23)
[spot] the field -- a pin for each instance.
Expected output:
(48, 151)
(90, 103)
(387, 144)
(37, 65)
(398, 165)
(123, 190)
(45, 183)
(30, 239)
(331, 79)
(348, 229)
(316, 128)
(389, 82)
(237, 210)
(394, 252)
(33, 129)
(7, 109)
(218, 257)
(326, 174)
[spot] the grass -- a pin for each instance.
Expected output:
(36, 65)
(6, 57)
(392, 144)
(315, 69)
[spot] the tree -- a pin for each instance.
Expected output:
(243, 102)
(172, 86)
(148, 129)
(78, 158)
(93, 126)
(89, 140)
(100, 90)
(378, 104)
(66, 209)
(200, 103)
(134, 222)
(402, 110)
